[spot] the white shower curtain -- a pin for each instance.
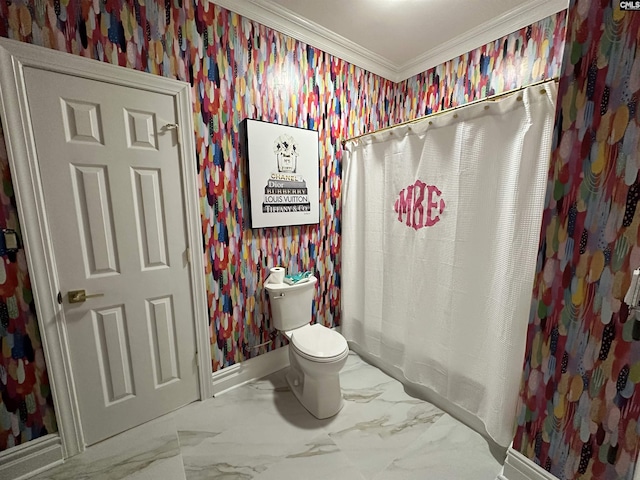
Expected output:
(441, 223)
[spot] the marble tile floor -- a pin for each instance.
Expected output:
(260, 432)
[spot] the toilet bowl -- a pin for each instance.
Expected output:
(316, 353)
(316, 356)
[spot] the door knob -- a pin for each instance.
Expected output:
(79, 296)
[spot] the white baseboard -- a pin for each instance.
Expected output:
(31, 458)
(249, 370)
(519, 467)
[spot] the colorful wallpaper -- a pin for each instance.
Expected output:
(26, 407)
(580, 396)
(526, 56)
(239, 69)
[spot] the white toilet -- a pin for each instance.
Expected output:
(316, 353)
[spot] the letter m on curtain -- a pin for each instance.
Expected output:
(412, 209)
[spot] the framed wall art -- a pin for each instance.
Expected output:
(284, 174)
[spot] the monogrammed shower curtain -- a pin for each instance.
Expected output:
(441, 223)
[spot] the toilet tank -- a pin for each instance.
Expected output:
(291, 304)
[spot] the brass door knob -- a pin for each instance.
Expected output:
(79, 296)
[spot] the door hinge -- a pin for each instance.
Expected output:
(188, 253)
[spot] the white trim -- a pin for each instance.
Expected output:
(23, 161)
(289, 23)
(20, 147)
(498, 27)
(241, 373)
(194, 239)
(519, 467)
(283, 20)
(31, 458)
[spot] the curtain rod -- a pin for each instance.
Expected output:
(447, 110)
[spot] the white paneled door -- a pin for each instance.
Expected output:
(110, 166)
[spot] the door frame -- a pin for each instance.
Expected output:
(27, 184)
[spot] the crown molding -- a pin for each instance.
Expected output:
(505, 24)
(274, 16)
(285, 21)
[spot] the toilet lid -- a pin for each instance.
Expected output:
(318, 341)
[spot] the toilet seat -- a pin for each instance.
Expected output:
(319, 343)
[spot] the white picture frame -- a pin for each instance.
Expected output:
(284, 174)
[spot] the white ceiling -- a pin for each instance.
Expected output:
(395, 38)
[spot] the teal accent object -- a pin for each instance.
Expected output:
(297, 277)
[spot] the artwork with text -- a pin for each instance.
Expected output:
(286, 191)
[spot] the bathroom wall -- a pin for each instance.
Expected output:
(526, 56)
(240, 69)
(26, 410)
(580, 395)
